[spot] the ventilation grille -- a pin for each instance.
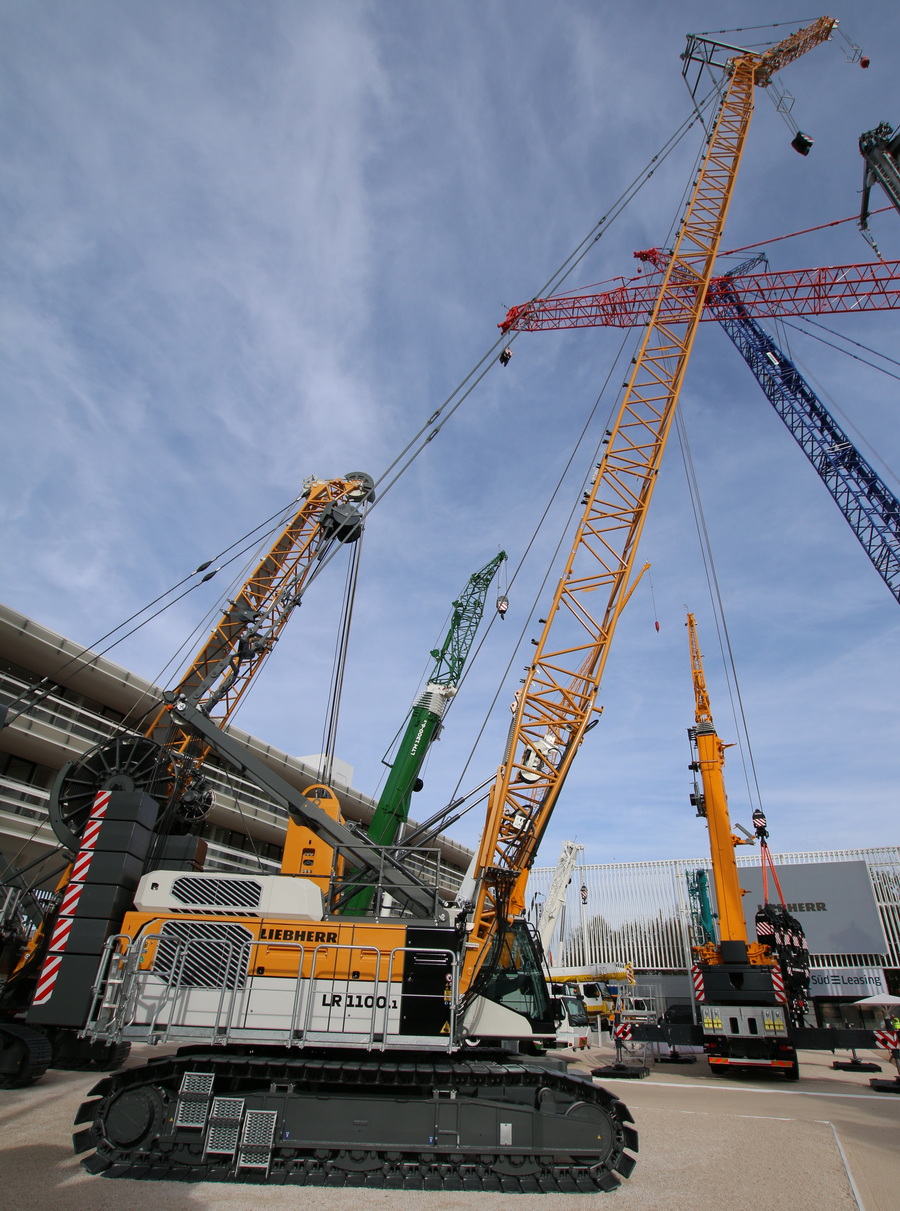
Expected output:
(225, 893)
(202, 954)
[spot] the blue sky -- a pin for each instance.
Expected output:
(244, 243)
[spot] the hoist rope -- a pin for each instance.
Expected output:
(853, 218)
(718, 608)
(628, 338)
(339, 665)
(395, 469)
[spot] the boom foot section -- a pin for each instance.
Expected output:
(418, 1124)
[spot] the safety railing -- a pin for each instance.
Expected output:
(161, 989)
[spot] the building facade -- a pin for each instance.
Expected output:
(66, 700)
(848, 902)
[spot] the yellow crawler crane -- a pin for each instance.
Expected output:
(393, 1052)
(738, 983)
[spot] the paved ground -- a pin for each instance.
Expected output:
(707, 1144)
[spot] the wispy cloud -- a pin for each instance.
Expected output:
(243, 244)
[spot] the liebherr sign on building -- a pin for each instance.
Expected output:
(833, 901)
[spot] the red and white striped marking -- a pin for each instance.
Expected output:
(889, 1039)
(697, 977)
(60, 935)
(48, 978)
(778, 985)
(623, 1032)
(59, 939)
(70, 899)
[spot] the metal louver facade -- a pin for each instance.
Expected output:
(639, 912)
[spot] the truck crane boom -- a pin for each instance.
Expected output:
(556, 896)
(741, 985)
(713, 806)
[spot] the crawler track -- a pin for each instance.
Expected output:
(25, 1055)
(337, 1120)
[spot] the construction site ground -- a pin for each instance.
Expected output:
(707, 1144)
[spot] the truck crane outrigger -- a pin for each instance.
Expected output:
(329, 1049)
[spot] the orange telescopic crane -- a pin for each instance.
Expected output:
(743, 991)
(712, 804)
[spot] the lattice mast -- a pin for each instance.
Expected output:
(166, 763)
(426, 717)
(871, 509)
(556, 702)
(821, 290)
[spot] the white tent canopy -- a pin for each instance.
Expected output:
(880, 998)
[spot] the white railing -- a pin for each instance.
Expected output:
(161, 989)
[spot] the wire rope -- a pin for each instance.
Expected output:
(849, 340)
(429, 431)
(48, 683)
(718, 608)
(627, 339)
(823, 391)
(853, 218)
(846, 352)
(339, 665)
(742, 29)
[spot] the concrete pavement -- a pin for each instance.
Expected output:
(707, 1144)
